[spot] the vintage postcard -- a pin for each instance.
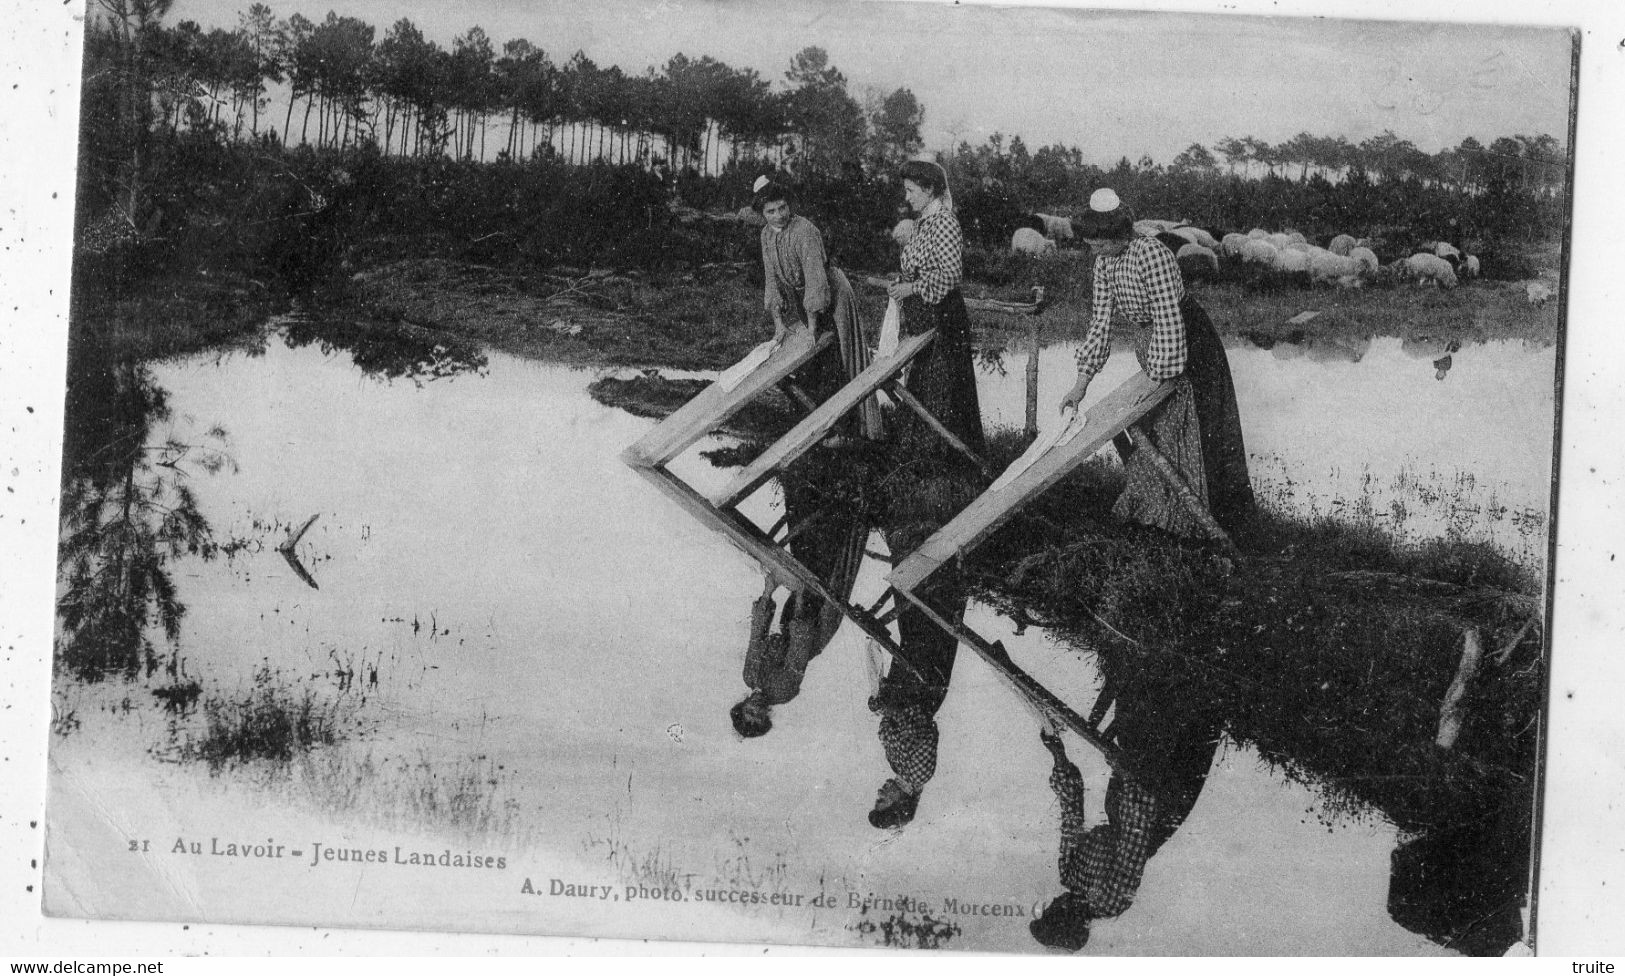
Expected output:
(849, 474)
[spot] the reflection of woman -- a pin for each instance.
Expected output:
(1198, 427)
(1169, 746)
(801, 286)
(931, 484)
(831, 545)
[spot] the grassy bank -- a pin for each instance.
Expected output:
(710, 317)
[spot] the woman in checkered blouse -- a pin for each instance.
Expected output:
(931, 484)
(1198, 428)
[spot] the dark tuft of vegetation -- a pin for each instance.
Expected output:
(269, 721)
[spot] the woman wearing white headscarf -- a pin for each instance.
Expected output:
(1198, 428)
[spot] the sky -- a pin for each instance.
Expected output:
(1112, 83)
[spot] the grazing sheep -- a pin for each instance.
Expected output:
(1056, 228)
(1296, 237)
(1257, 233)
(1342, 244)
(1470, 266)
(1278, 240)
(1538, 293)
(1367, 257)
(903, 232)
(1172, 242)
(1232, 244)
(1430, 269)
(1292, 259)
(1446, 251)
(1329, 267)
(1028, 220)
(1197, 253)
(1028, 241)
(1197, 235)
(1303, 247)
(1257, 251)
(1146, 228)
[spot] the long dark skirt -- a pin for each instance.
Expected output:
(837, 365)
(943, 378)
(1198, 429)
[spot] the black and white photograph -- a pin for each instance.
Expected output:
(836, 473)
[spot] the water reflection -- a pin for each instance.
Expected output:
(386, 350)
(127, 511)
(826, 532)
(128, 505)
(1331, 347)
(1167, 745)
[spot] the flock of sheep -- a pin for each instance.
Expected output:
(1345, 261)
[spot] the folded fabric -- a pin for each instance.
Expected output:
(1058, 433)
(891, 329)
(735, 374)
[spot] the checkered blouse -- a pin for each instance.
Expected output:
(1104, 863)
(934, 257)
(1145, 283)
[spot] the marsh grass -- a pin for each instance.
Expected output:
(653, 867)
(273, 720)
(471, 797)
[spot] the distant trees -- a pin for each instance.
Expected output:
(405, 95)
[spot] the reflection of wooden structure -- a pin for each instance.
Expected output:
(1123, 406)
(715, 404)
(823, 419)
(711, 407)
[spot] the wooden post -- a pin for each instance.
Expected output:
(1031, 429)
(1041, 698)
(1182, 491)
(1450, 714)
(908, 400)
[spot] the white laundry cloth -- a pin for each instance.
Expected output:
(1057, 434)
(735, 374)
(891, 329)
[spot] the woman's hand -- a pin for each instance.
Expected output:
(899, 290)
(1074, 397)
(780, 330)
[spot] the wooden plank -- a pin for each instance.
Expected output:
(912, 402)
(820, 422)
(1122, 407)
(1187, 497)
(785, 569)
(713, 406)
(1028, 686)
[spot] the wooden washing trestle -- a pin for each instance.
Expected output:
(1117, 414)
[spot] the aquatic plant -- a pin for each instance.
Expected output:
(268, 721)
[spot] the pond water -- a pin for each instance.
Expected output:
(535, 652)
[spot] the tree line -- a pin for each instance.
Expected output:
(179, 105)
(405, 94)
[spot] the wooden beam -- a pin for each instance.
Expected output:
(1028, 686)
(908, 400)
(745, 536)
(1034, 307)
(820, 422)
(1120, 408)
(1182, 491)
(713, 406)
(799, 395)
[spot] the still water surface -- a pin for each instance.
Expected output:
(506, 590)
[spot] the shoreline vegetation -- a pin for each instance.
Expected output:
(1329, 646)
